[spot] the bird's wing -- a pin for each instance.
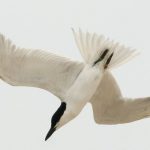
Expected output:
(110, 107)
(107, 94)
(37, 68)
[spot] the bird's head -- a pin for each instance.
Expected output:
(60, 118)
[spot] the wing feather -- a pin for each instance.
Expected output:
(106, 95)
(37, 68)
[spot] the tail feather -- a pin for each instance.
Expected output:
(91, 46)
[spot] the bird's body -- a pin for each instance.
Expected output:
(84, 87)
(75, 83)
(81, 91)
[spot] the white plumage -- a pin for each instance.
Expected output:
(91, 46)
(75, 83)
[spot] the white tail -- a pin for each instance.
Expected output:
(91, 46)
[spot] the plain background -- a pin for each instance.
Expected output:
(25, 112)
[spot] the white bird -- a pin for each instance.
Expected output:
(75, 83)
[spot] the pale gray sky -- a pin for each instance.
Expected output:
(25, 113)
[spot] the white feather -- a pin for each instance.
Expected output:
(92, 45)
(37, 68)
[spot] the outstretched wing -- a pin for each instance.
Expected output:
(105, 97)
(109, 107)
(37, 68)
